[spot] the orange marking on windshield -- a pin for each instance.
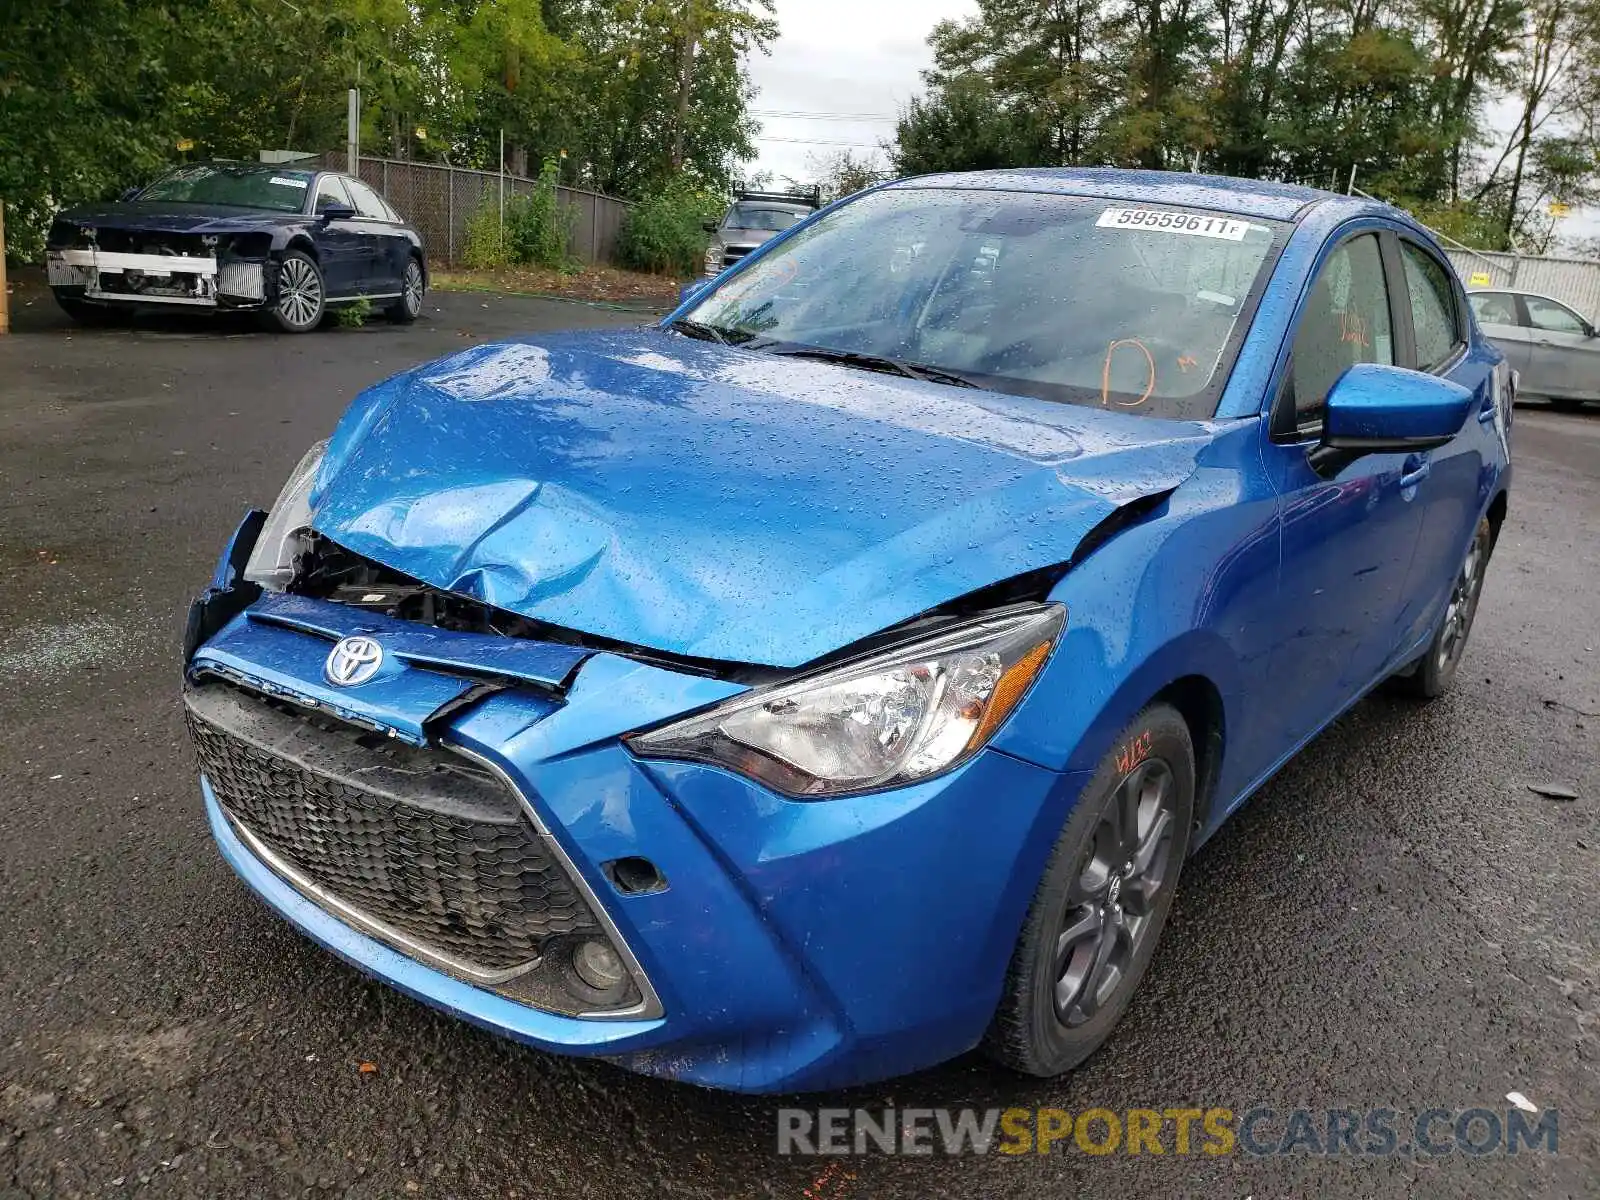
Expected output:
(1105, 373)
(1187, 363)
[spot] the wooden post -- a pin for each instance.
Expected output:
(5, 299)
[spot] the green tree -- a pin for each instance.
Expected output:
(963, 126)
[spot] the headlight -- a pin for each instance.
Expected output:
(896, 717)
(272, 561)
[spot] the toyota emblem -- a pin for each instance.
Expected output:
(354, 660)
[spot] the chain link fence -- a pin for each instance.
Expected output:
(439, 200)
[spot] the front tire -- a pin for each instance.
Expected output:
(302, 298)
(1435, 671)
(412, 285)
(1101, 905)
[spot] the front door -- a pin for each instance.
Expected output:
(1348, 535)
(1502, 324)
(340, 246)
(1564, 358)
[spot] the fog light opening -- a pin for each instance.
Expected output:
(599, 966)
(634, 876)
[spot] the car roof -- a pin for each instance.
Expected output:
(1511, 291)
(1221, 193)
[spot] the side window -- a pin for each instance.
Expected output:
(1346, 321)
(1433, 306)
(1547, 314)
(367, 202)
(1493, 308)
(331, 191)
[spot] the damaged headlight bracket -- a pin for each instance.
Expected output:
(890, 719)
(229, 594)
(272, 565)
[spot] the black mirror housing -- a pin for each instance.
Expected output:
(336, 212)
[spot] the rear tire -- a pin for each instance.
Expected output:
(412, 287)
(1102, 903)
(301, 299)
(1435, 671)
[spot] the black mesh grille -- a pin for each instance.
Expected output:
(417, 839)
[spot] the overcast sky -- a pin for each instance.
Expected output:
(851, 64)
(855, 61)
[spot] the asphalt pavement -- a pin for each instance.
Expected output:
(1397, 920)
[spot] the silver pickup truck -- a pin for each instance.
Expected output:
(753, 218)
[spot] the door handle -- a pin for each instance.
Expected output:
(1487, 410)
(1415, 471)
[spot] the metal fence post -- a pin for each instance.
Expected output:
(450, 215)
(5, 300)
(594, 228)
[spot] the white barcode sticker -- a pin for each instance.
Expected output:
(1166, 221)
(287, 181)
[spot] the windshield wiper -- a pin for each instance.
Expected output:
(699, 329)
(876, 362)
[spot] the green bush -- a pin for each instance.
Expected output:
(537, 230)
(485, 242)
(663, 232)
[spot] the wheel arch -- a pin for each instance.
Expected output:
(303, 243)
(1199, 703)
(1498, 508)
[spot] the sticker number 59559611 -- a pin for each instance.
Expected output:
(1166, 221)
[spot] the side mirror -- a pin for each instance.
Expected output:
(336, 212)
(692, 289)
(711, 226)
(1376, 409)
(1589, 330)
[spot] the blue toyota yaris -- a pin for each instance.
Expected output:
(834, 677)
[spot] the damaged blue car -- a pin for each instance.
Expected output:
(834, 677)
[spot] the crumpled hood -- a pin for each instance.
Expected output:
(163, 217)
(716, 502)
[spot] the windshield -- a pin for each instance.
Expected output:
(748, 216)
(242, 186)
(1079, 299)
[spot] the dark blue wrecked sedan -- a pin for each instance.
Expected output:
(289, 244)
(835, 677)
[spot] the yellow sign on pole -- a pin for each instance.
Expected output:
(185, 143)
(1558, 209)
(1479, 279)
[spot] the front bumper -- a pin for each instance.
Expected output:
(111, 277)
(795, 946)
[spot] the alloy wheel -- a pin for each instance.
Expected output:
(1115, 891)
(299, 292)
(412, 288)
(1463, 603)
